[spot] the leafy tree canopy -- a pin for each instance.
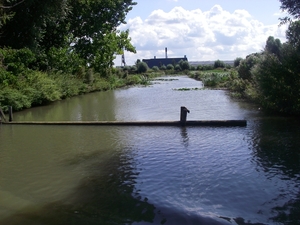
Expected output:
(292, 7)
(85, 27)
(273, 46)
(293, 34)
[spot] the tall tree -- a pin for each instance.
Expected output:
(273, 46)
(85, 27)
(292, 7)
(30, 19)
(5, 11)
(293, 34)
(92, 20)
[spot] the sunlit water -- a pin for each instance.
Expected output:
(150, 175)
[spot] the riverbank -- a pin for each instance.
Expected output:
(38, 89)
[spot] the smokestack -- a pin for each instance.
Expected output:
(166, 50)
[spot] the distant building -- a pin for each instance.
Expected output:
(163, 61)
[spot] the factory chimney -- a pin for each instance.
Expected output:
(166, 50)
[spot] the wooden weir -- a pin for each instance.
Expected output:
(182, 122)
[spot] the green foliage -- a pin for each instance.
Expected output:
(5, 13)
(177, 67)
(163, 67)
(279, 81)
(272, 77)
(27, 27)
(246, 65)
(292, 7)
(65, 35)
(39, 88)
(293, 34)
(199, 67)
(237, 61)
(6, 77)
(155, 68)
(133, 79)
(205, 67)
(219, 64)
(184, 65)
(273, 46)
(142, 67)
(17, 61)
(133, 69)
(170, 67)
(193, 68)
(126, 68)
(101, 85)
(212, 79)
(104, 49)
(64, 60)
(14, 98)
(227, 66)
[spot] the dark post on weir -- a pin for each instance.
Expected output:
(10, 113)
(183, 115)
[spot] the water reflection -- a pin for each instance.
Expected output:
(105, 196)
(185, 137)
(276, 151)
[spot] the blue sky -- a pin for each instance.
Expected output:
(201, 29)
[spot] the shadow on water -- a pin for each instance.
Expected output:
(105, 196)
(276, 151)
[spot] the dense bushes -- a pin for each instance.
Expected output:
(142, 67)
(14, 98)
(219, 64)
(279, 82)
(237, 61)
(215, 79)
(271, 78)
(184, 65)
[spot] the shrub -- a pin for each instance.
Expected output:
(237, 62)
(142, 67)
(219, 64)
(155, 68)
(126, 68)
(246, 65)
(170, 67)
(228, 66)
(177, 67)
(43, 88)
(63, 60)
(184, 65)
(101, 85)
(133, 68)
(14, 98)
(193, 68)
(133, 79)
(17, 60)
(278, 82)
(163, 67)
(199, 67)
(208, 67)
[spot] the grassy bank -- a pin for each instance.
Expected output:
(35, 88)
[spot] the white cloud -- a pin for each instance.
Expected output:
(210, 35)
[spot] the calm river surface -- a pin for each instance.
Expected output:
(81, 175)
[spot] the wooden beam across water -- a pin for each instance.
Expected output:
(182, 122)
(218, 123)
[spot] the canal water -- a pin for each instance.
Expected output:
(150, 175)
